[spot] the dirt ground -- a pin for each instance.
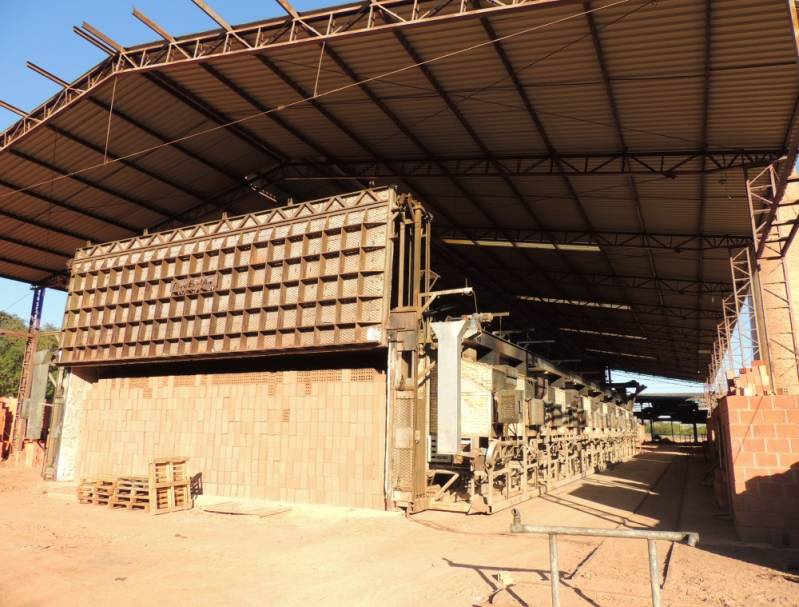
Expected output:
(54, 551)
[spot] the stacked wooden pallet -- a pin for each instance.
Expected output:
(166, 489)
(131, 492)
(96, 491)
(751, 381)
(169, 485)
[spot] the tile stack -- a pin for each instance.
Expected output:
(751, 381)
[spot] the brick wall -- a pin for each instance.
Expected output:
(760, 439)
(314, 435)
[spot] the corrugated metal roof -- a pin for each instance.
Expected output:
(462, 110)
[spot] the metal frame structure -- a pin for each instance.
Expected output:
(672, 242)
(761, 279)
(741, 337)
(31, 342)
(774, 219)
(652, 537)
(319, 26)
(321, 146)
(665, 164)
(315, 275)
(519, 425)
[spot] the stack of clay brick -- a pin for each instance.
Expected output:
(8, 406)
(751, 381)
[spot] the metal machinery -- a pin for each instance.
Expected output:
(474, 423)
(521, 426)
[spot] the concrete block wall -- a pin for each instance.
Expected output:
(314, 436)
(761, 444)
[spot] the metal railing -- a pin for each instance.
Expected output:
(688, 537)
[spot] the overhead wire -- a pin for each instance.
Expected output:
(519, 70)
(17, 302)
(462, 95)
(327, 93)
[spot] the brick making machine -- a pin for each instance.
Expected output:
(163, 328)
(516, 425)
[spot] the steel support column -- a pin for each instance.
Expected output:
(27, 361)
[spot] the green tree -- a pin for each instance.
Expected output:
(12, 350)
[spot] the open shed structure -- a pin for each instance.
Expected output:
(585, 161)
(614, 174)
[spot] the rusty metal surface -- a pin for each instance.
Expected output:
(313, 275)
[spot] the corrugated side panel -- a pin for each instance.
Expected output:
(306, 276)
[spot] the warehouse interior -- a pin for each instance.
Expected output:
(398, 280)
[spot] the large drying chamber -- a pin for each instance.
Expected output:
(166, 334)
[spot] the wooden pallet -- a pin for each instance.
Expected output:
(169, 470)
(166, 489)
(169, 485)
(131, 492)
(96, 491)
(133, 505)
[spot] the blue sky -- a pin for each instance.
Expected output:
(41, 32)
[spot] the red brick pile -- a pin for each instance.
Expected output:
(758, 443)
(750, 381)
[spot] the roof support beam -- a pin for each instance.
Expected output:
(192, 101)
(61, 204)
(13, 109)
(681, 312)
(678, 286)
(676, 243)
(427, 72)
(244, 95)
(49, 75)
(131, 165)
(405, 130)
(159, 30)
(290, 10)
(614, 108)
(700, 254)
(164, 139)
(29, 265)
(5, 237)
(786, 167)
(611, 343)
(651, 329)
(512, 74)
(667, 164)
(88, 183)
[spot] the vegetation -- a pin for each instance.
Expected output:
(681, 431)
(12, 349)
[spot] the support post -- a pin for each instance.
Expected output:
(654, 573)
(27, 362)
(554, 574)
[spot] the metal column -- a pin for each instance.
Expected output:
(27, 363)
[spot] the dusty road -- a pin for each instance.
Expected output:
(54, 551)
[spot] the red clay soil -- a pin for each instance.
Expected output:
(54, 551)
